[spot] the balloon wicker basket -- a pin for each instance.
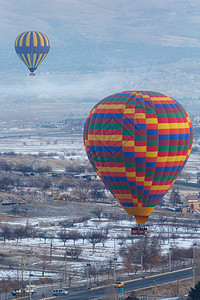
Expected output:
(32, 74)
(139, 230)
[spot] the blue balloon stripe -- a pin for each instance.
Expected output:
(128, 121)
(112, 178)
(105, 149)
(166, 105)
(173, 137)
(140, 126)
(128, 154)
(127, 204)
(152, 131)
(107, 116)
(167, 169)
(158, 196)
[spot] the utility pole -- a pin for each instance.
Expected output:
(65, 264)
(51, 250)
(114, 248)
(88, 265)
(30, 275)
(114, 275)
(22, 265)
(160, 244)
(170, 259)
(141, 258)
(194, 264)
(178, 287)
(155, 289)
(168, 234)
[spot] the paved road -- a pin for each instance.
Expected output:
(136, 284)
(131, 285)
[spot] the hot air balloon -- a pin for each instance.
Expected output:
(32, 47)
(138, 142)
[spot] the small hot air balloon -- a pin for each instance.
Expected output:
(32, 47)
(138, 142)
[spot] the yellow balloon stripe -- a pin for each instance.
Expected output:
(160, 98)
(151, 121)
(171, 158)
(28, 39)
(129, 111)
(16, 42)
(24, 59)
(127, 196)
(38, 60)
(41, 39)
(140, 116)
(46, 39)
(131, 174)
(21, 58)
(173, 125)
(127, 143)
(44, 55)
(34, 59)
(34, 39)
(29, 59)
(111, 138)
(140, 148)
(112, 169)
(111, 106)
(21, 39)
(160, 187)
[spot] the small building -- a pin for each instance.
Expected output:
(185, 209)
(193, 203)
(191, 197)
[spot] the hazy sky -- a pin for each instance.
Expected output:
(99, 47)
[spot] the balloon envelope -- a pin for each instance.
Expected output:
(32, 47)
(138, 142)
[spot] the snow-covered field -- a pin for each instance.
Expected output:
(65, 147)
(103, 253)
(60, 147)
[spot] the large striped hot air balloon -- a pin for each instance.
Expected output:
(32, 47)
(138, 142)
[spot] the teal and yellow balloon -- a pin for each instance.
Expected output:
(32, 47)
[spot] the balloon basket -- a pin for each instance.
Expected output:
(32, 74)
(139, 230)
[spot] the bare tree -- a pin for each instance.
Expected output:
(15, 209)
(83, 236)
(6, 233)
(175, 197)
(97, 194)
(5, 183)
(95, 237)
(74, 235)
(19, 232)
(132, 253)
(43, 235)
(97, 211)
(63, 236)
